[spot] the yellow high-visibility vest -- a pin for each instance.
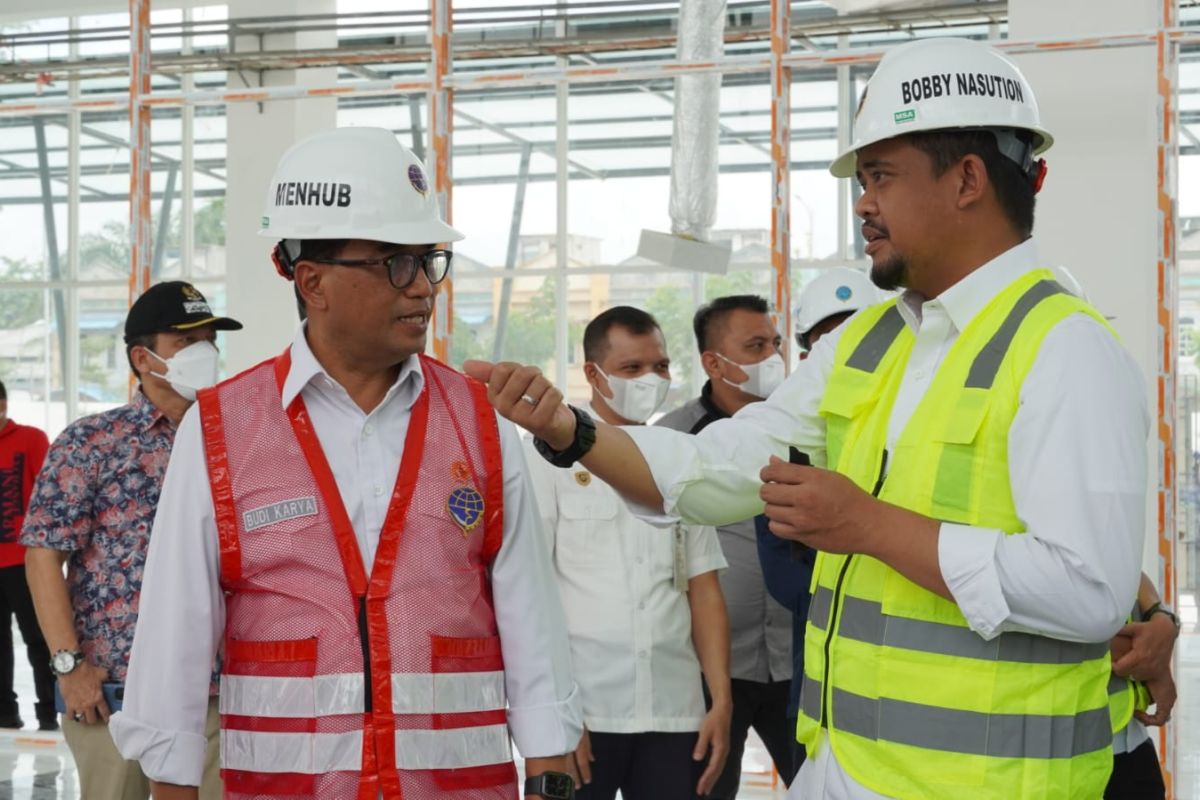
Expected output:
(914, 703)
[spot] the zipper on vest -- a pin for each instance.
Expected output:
(366, 650)
(835, 605)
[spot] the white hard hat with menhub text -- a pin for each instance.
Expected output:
(940, 84)
(353, 183)
(837, 290)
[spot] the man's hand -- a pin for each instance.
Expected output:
(1144, 649)
(584, 758)
(713, 741)
(564, 763)
(819, 507)
(1162, 691)
(526, 397)
(83, 693)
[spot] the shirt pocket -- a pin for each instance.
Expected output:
(587, 526)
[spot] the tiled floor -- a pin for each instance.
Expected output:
(38, 766)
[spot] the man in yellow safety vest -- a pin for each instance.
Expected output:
(979, 442)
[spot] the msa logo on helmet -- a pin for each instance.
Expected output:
(305, 193)
(964, 84)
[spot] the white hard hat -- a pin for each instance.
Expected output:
(353, 183)
(837, 290)
(938, 84)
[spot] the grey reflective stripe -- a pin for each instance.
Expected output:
(875, 344)
(987, 363)
(1117, 684)
(864, 621)
(810, 698)
(818, 609)
(971, 732)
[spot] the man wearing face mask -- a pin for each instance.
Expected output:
(739, 351)
(644, 607)
(92, 509)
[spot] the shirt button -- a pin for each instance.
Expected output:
(378, 491)
(641, 653)
(639, 559)
(368, 429)
(642, 605)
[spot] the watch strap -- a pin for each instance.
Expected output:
(585, 437)
(1159, 608)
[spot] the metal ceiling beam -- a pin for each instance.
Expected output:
(499, 39)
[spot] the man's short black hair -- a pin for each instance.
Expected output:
(710, 317)
(1014, 187)
(595, 335)
(3, 391)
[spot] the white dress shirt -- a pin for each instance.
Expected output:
(1077, 466)
(630, 626)
(182, 609)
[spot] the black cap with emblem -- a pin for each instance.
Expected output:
(172, 306)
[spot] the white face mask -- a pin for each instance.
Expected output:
(636, 399)
(762, 378)
(192, 368)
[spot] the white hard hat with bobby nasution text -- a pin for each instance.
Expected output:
(947, 84)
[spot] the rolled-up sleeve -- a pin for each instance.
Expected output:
(544, 713)
(1078, 470)
(712, 478)
(180, 619)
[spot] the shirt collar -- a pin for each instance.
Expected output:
(710, 405)
(147, 414)
(965, 299)
(306, 369)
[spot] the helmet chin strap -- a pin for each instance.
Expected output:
(284, 257)
(1020, 152)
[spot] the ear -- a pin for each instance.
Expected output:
(596, 380)
(144, 361)
(711, 364)
(311, 285)
(973, 181)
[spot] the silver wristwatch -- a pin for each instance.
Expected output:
(65, 661)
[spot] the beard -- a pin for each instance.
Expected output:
(890, 275)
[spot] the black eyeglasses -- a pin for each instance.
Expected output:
(402, 267)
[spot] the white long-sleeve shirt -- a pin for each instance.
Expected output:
(182, 609)
(1077, 465)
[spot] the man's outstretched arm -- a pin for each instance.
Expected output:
(523, 395)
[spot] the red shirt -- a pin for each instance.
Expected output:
(22, 451)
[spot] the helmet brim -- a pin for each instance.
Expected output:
(846, 164)
(425, 232)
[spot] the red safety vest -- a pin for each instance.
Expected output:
(339, 683)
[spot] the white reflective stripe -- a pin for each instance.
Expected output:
(306, 753)
(448, 692)
(316, 753)
(327, 695)
(453, 749)
(322, 696)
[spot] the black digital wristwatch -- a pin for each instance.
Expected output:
(552, 786)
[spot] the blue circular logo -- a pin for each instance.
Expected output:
(843, 293)
(466, 507)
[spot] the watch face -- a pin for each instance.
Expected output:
(558, 786)
(64, 662)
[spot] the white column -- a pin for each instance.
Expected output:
(257, 137)
(1098, 212)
